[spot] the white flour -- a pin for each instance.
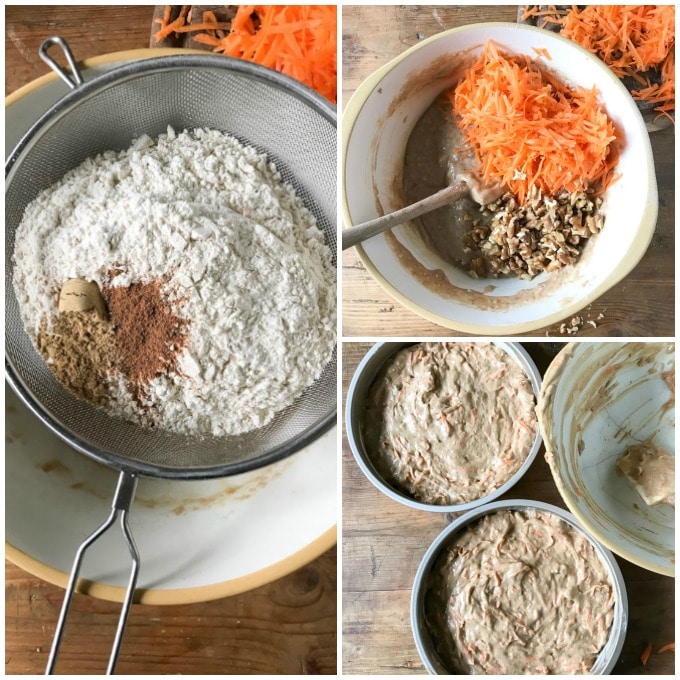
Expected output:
(237, 244)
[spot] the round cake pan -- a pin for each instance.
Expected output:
(354, 412)
(606, 660)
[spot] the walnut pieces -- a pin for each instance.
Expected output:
(544, 234)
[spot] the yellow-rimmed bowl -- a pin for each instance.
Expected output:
(597, 399)
(376, 125)
(199, 540)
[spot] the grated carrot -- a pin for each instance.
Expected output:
(542, 52)
(662, 95)
(630, 39)
(644, 657)
(528, 128)
(668, 647)
(297, 40)
(549, 15)
(166, 26)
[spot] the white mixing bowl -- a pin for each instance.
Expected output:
(597, 399)
(376, 125)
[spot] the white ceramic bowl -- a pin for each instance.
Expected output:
(198, 540)
(596, 400)
(376, 125)
(606, 660)
(354, 415)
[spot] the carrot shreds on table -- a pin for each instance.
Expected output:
(663, 95)
(626, 37)
(536, 11)
(528, 128)
(205, 26)
(166, 26)
(644, 657)
(298, 40)
(630, 39)
(668, 647)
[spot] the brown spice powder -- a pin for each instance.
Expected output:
(80, 349)
(149, 335)
(142, 339)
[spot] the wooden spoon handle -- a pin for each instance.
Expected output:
(353, 235)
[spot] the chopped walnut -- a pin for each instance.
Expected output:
(544, 234)
(573, 327)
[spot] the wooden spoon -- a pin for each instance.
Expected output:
(354, 235)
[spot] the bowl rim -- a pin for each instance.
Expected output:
(93, 62)
(158, 596)
(353, 403)
(641, 241)
(618, 583)
(568, 496)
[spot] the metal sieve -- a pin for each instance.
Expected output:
(294, 127)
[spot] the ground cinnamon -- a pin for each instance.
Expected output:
(141, 338)
(149, 335)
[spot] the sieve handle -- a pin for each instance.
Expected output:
(72, 79)
(120, 506)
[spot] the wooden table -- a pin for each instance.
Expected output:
(384, 541)
(642, 304)
(288, 626)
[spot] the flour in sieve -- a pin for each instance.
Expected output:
(243, 258)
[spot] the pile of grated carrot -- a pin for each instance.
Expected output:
(630, 39)
(528, 128)
(297, 40)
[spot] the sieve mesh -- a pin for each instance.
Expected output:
(296, 130)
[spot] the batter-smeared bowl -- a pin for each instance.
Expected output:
(598, 399)
(361, 415)
(429, 605)
(377, 123)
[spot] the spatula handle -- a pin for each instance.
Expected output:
(353, 235)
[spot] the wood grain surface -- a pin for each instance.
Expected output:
(288, 626)
(384, 541)
(643, 304)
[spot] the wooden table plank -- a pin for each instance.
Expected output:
(383, 543)
(643, 304)
(288, 626)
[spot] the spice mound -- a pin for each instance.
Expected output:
(447, 423)
(520, 592)
(172, 282)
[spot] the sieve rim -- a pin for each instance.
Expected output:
(61, 108)
(141, 468)
(133, 69)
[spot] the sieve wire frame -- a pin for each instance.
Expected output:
(159, 453)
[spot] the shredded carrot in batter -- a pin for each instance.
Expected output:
(528, 128)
